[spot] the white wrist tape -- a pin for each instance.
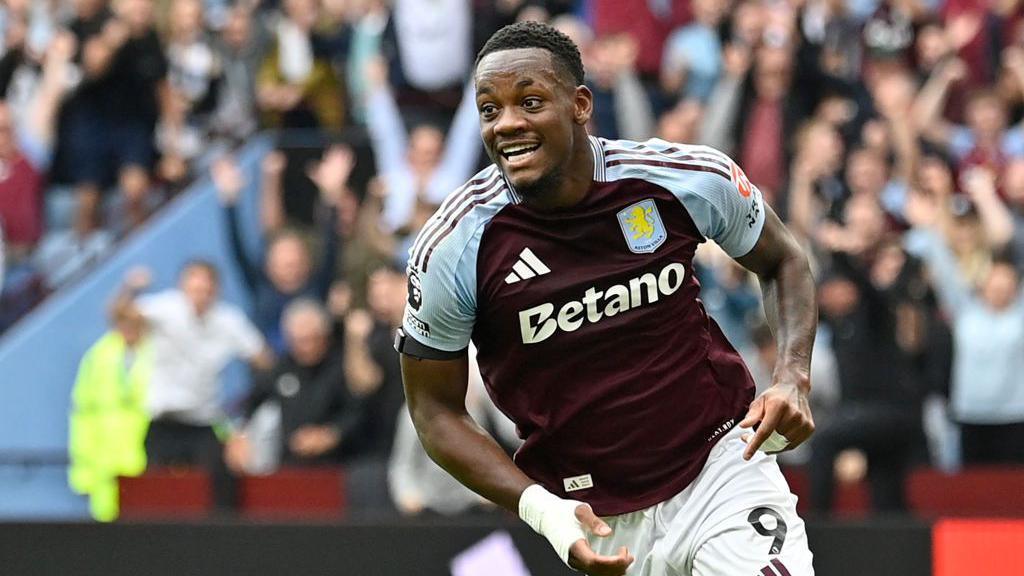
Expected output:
(552, 517)
(775, 442)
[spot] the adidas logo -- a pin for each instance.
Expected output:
(578, 483)
(526, 266)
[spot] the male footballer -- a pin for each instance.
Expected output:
(569, 263)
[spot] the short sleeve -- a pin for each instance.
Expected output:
(247, 340)
(157, 308)
(726, 208)
(441, 307)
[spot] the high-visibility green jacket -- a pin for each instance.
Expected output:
(108, 421)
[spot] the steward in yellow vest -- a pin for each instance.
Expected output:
(109, 420)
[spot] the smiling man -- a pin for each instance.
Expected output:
(568, 262)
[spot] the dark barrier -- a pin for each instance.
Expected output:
(400, 549)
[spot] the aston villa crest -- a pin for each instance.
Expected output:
(642, 226)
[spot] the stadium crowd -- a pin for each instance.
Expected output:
(887, 133)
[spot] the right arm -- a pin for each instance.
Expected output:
(436, 392)
(931, 100)
(435, 373)
(952, 288)
(229, 183)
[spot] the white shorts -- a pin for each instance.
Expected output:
(737, 518)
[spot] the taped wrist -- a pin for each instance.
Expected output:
(552, 517)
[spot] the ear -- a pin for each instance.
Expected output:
(583, 105)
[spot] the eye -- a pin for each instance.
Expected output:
(488, 111)
(531, 103)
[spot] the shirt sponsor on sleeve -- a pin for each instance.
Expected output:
(421, 327)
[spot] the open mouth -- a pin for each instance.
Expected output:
(515, 154)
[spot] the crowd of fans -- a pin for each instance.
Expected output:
(886, 133)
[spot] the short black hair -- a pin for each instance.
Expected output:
(537, 35)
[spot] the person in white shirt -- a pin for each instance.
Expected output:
(194, 337)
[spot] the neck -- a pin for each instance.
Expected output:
(569, 185)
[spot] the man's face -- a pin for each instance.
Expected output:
(1000, 287)
(986, 116)
(307, 339)
(200, 288)
(529, 115)
(288, 264)
(426, 145)
(865, 173)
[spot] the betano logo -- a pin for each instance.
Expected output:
(539, 323)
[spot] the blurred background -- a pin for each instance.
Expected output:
(205, 211)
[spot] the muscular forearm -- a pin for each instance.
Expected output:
(469, 454)
(792, 313)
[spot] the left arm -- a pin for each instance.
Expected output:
(792, 313)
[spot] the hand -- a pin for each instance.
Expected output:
(228, 180)
(339, 299)
(237, 452)
(736, 60)
(273, 164)
(1013, 58)
(358, 325)
(783, 408)
(312, 441)
(331, 173)
(583, 558)
(115, 33)
(962, 28)
(62, 48)
(622, 53)
(954, 70)
(289, 97)
(979, 183)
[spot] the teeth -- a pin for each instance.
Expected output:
(516, 149)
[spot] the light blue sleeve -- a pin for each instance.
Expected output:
(441, 309)
(389, 142)
(729, 211)
(961, 141)
(953, 290)
(1013, 142)
(35, 149)
(386, 130)
(715, 192)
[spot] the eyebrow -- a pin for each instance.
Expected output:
(520, 84)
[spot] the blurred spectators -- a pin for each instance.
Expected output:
(286, 273)
(419, 168)
(108, 421)
(318, 415)
(194, 337)
(987, 319)
(110, 119)
(693, 53)
(886, 133)
(296, 86)
(239, 49)
(193, 77)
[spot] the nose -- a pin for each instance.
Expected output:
(509, 122)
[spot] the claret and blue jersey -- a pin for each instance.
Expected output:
(590, 332)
